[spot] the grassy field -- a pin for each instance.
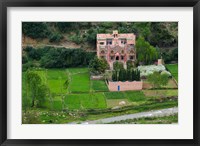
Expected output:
(80, 83)
(173, 68)
(157, 93)
(99, 85)
(85, 101)
(84, 94)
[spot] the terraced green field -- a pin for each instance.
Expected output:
(84, 94)
(99, 85)
(80, 83)
(85, 101)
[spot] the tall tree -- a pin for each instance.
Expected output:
(157, 80)
(98, 65)
(145, 52)
(37, 89)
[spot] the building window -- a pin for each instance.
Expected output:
(102, 52)
(123, 41)
(112, 58)
(112, 52)
(122, 52)
(131, 52)
(101, 43)
(122, 57)
(131, 57)
(117, 57)
(109, 42)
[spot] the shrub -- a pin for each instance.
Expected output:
(78, 39)
(27, 65)
(32, 53)
(35, 29)
(58, 57)
(55, 38)
(166, 72)
(24, 59)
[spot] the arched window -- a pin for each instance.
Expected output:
(102, 52)
(131, 52)
(131, 57)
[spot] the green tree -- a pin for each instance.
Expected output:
(130, 64)
(129, 74)
(157, 80)
(98, 65)
(142, 29)
(37, 89)
(114, 76)
(118, 66)
(137, 75)
(145, 52)
(35, 29)
(55, 37)
(122, 75)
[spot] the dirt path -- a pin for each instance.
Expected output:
(156, 113)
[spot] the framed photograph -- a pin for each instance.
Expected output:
(99, 72)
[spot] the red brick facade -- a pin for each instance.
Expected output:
(116, 47)
(125, 86)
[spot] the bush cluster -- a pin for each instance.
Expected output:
(55, 37)
(49, 57)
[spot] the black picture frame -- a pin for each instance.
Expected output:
(4, 4)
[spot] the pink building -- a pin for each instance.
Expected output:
(116, 47)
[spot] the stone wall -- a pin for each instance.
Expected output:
(125, 86)
(97, 77)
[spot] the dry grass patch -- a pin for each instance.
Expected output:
(116, 102)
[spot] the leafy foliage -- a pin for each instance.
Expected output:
(36, 88)
(130, 64)
(158, 80)
(56, 57)
(170, 55)
(126, 75)
(98, 65)
(118, 65)
(35, 29)
(56, 37)
(145, 52)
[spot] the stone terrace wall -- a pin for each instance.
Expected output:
(125, 86)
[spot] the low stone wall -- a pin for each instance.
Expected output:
(97, 77)
(124, 86)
